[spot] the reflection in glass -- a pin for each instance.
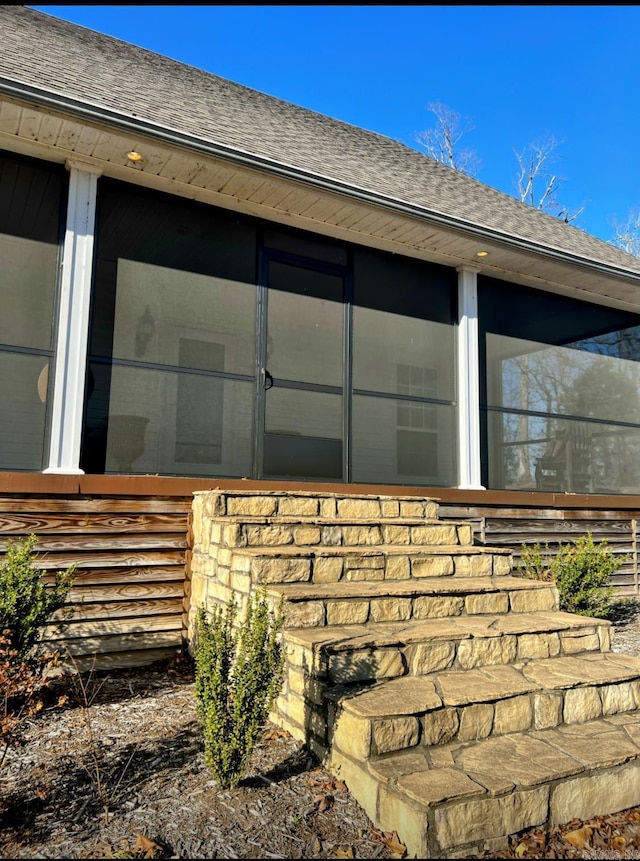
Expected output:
(305, 325)
(402, 442)
(303, 434)
(170, 423)
(22, 417)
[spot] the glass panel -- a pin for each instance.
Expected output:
(532, 376)
(159, 310)
(305, 325)
(169, 423)
(23, 394)
(303, 434)
(403, 443)
(29, 271)
(562, 455)
(403, 355)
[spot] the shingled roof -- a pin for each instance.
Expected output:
(46, 55)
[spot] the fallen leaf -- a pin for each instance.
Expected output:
(147, 846)
(392, 841)
(276, 733)
(580, 837)
(520, 850)
(40, 793)
(324, 802)
(618, 842)
(341, 786)
(63, 700)
(344, 852)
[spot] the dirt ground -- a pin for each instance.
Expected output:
(119, 772)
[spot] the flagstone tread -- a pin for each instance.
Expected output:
(317, 520)
(375, 634)
(414, 550)
(573, 671)
(515, 761)
(449, 585)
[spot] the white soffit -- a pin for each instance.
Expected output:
(43, 133)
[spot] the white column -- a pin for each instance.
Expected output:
(468, 381)
(73, 321)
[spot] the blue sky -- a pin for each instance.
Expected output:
(517, 72)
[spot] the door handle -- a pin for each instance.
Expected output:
(268, 380)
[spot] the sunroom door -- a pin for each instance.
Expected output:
(301, 404)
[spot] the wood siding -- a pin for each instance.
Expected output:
(127, 602)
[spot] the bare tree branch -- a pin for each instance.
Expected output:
(627, 233)
(441, 142)
(537, 184)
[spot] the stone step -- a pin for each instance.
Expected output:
(340, 656)
(321, 564)
(279, 531)
(312, 503)
(359, 601)
(424, 711)
(465, 798)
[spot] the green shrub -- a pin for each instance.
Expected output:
(238, 677)
(581, 571)
(26, 602)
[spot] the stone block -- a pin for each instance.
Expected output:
(410, 508)
(362, 509)
(361, 535)
(390, 609)
(394, 814)
(512, 715)
(352, 735)
(432, 787)
(572, 643)
(586, 797)
(502, 565)
(484, 651)
(437, 535)
(397, 733)
(363, 665)
(267, 570)
(396, 534)
(389, 507)
(328, 507)
(431, 566)
(476, 721)
(306, 535)
(352, 561)
(431, 510)
(260, 506)
(538, 645)
(488, 818)
(547, 710)
(532, 600)
(213, 504)
(496, 602)
(331, 536)
(465, 534)
(375, 574)
(360, 783)
(481, 565)
(440, 726)
(347, 612)
(290, 506)
(437, 607)
(604, 636)
(581, 704)
(304, 614)
(617, 698)
(327, 569)
(268, 536)
(431, 657)
(397, 568)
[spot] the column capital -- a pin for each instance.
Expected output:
(83, 166)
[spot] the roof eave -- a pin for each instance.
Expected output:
(98, 113)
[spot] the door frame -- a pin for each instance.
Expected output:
(267, 256)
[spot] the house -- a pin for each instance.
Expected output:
(205, 285)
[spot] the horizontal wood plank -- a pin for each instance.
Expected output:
(131, 592)
(140, 608)
(95, 524)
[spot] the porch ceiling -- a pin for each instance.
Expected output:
(47, 134)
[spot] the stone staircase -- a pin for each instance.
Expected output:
(455, 700)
